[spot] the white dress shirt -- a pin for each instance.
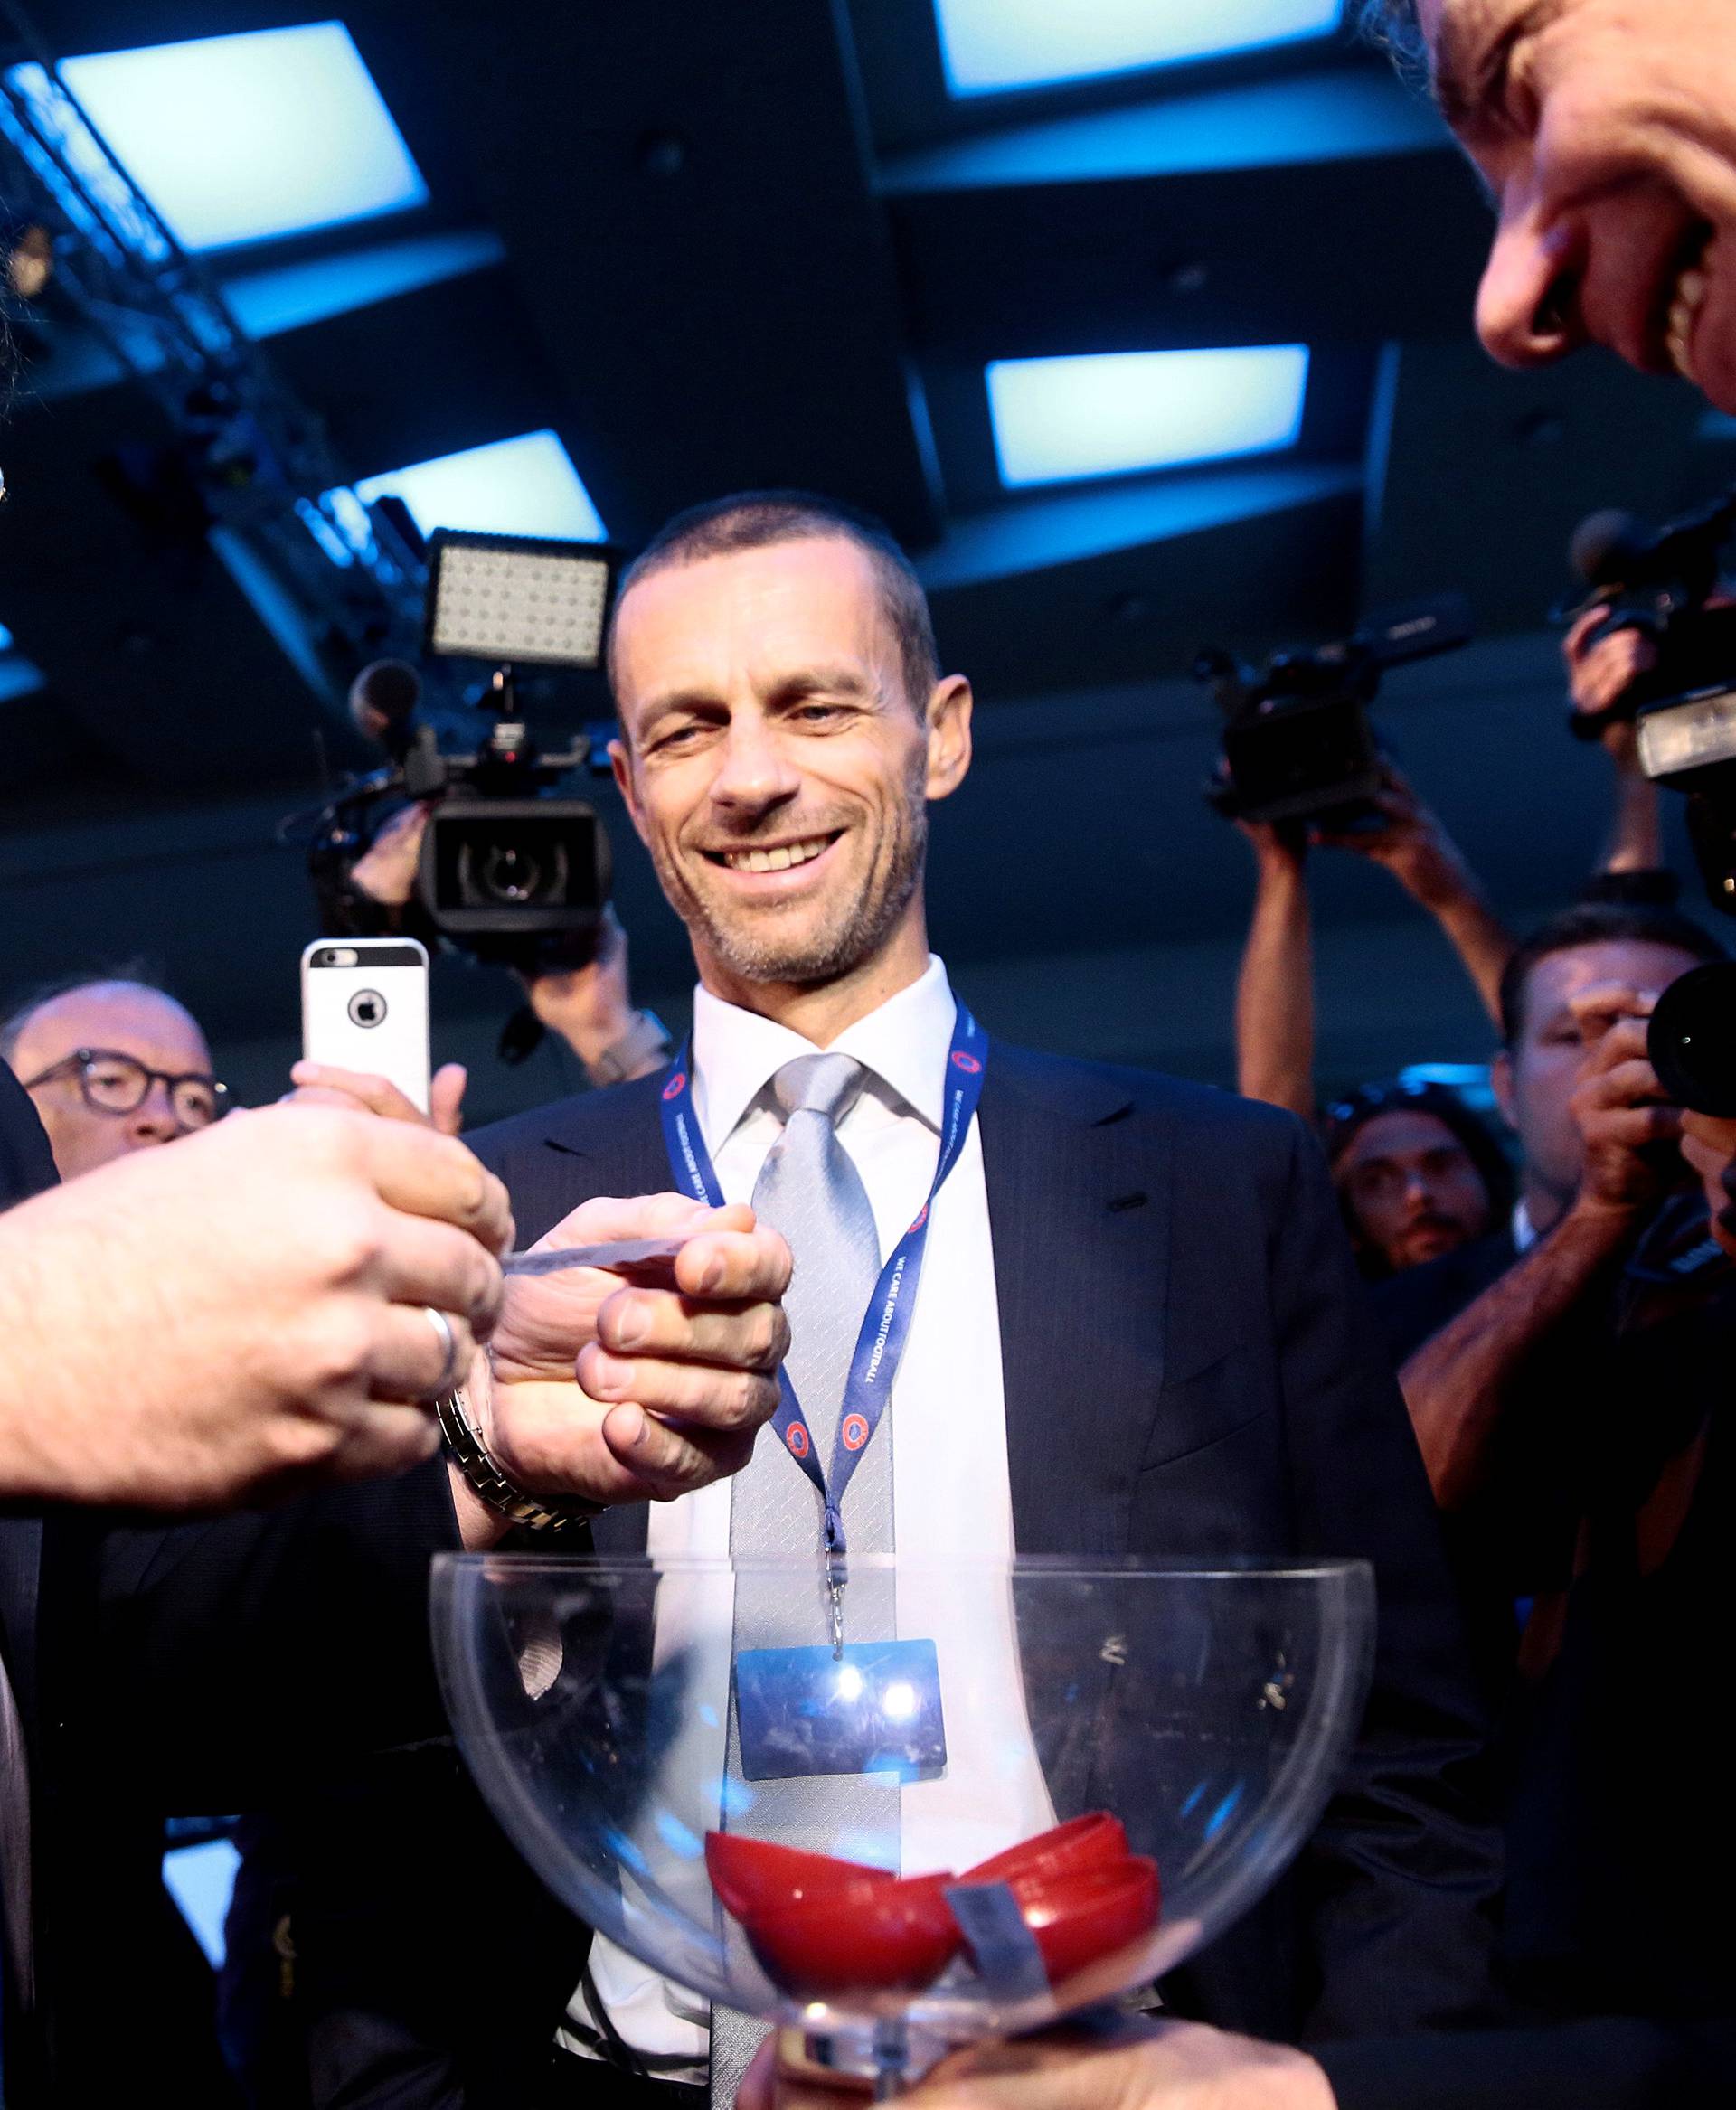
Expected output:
(951, 1498)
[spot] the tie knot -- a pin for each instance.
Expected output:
(818, 1084)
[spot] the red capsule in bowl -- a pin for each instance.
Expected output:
(1083, 1915)
(1082, 1842)
(753, 1875)
(872, 1937)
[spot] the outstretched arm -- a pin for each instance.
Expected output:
(1459, 1384)
(1417, 850)
(1597, 674)
(1275, 988)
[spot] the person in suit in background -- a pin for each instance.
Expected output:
(1605, 132)
(1137, 1329)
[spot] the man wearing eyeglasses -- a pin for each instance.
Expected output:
(113, 1067)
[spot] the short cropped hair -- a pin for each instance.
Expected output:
(135, 974)
(1596, 923)
(759, 519)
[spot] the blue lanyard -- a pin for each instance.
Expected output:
(880, 1345)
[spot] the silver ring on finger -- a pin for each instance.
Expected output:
(447, 1378)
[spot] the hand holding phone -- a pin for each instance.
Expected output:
(364, 1009)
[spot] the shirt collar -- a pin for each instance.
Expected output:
(903, 1043)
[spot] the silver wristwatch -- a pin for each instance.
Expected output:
(497, 1488)
(644, 1044)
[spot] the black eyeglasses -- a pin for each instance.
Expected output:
(112, 1083)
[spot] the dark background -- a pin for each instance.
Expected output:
(757, 244)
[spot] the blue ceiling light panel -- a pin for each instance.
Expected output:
(522, 486)
(991, 46)
(1115, 413)
(18, 675)
(246, 139)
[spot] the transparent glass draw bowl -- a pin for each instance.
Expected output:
(1185, 1724)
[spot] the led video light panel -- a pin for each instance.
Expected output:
(989, 46)
(1113, 413)
(512, 600)
(241, 139)
(522, 486)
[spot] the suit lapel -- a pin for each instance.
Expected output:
(1078, 1212)
(603, 1144)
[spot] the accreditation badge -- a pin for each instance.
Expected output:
(871, 1707)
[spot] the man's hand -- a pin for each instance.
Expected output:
(635, 1391)
(1619, 1106)
(319, 1084)
(241, 1315)
(1120, 2063)
(1280, 848)
(1597, 674)
(387, 869)
(590, 1007)
(1412, 845)
(1709, 1146)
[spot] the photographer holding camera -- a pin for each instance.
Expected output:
(1274, 1030)
(1607, 132)
(1576, 1408)
(1417, 1175)
(587, 1004)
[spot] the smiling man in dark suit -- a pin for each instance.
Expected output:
(1137, 1329)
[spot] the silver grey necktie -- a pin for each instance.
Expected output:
(809, 1189)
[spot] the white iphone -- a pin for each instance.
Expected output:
(364, 1007)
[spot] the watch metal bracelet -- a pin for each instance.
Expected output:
(496, 1487)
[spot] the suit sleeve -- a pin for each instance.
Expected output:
(1400, 1881)
(26, 1164)
(239, 1658)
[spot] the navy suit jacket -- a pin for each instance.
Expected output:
(1190, 1370)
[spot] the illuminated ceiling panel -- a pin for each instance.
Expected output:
(522, 486)
(243, 138)
(989, 46)
(1112, 414)
(18, 675)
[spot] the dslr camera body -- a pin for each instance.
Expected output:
(1297, 744)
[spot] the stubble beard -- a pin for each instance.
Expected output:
(753, 948)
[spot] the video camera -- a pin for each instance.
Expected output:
(1660, 583)
(509, 871)
(1297, 744)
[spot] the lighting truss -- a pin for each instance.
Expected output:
(162, 318)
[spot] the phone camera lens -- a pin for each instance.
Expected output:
(367, 1007)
